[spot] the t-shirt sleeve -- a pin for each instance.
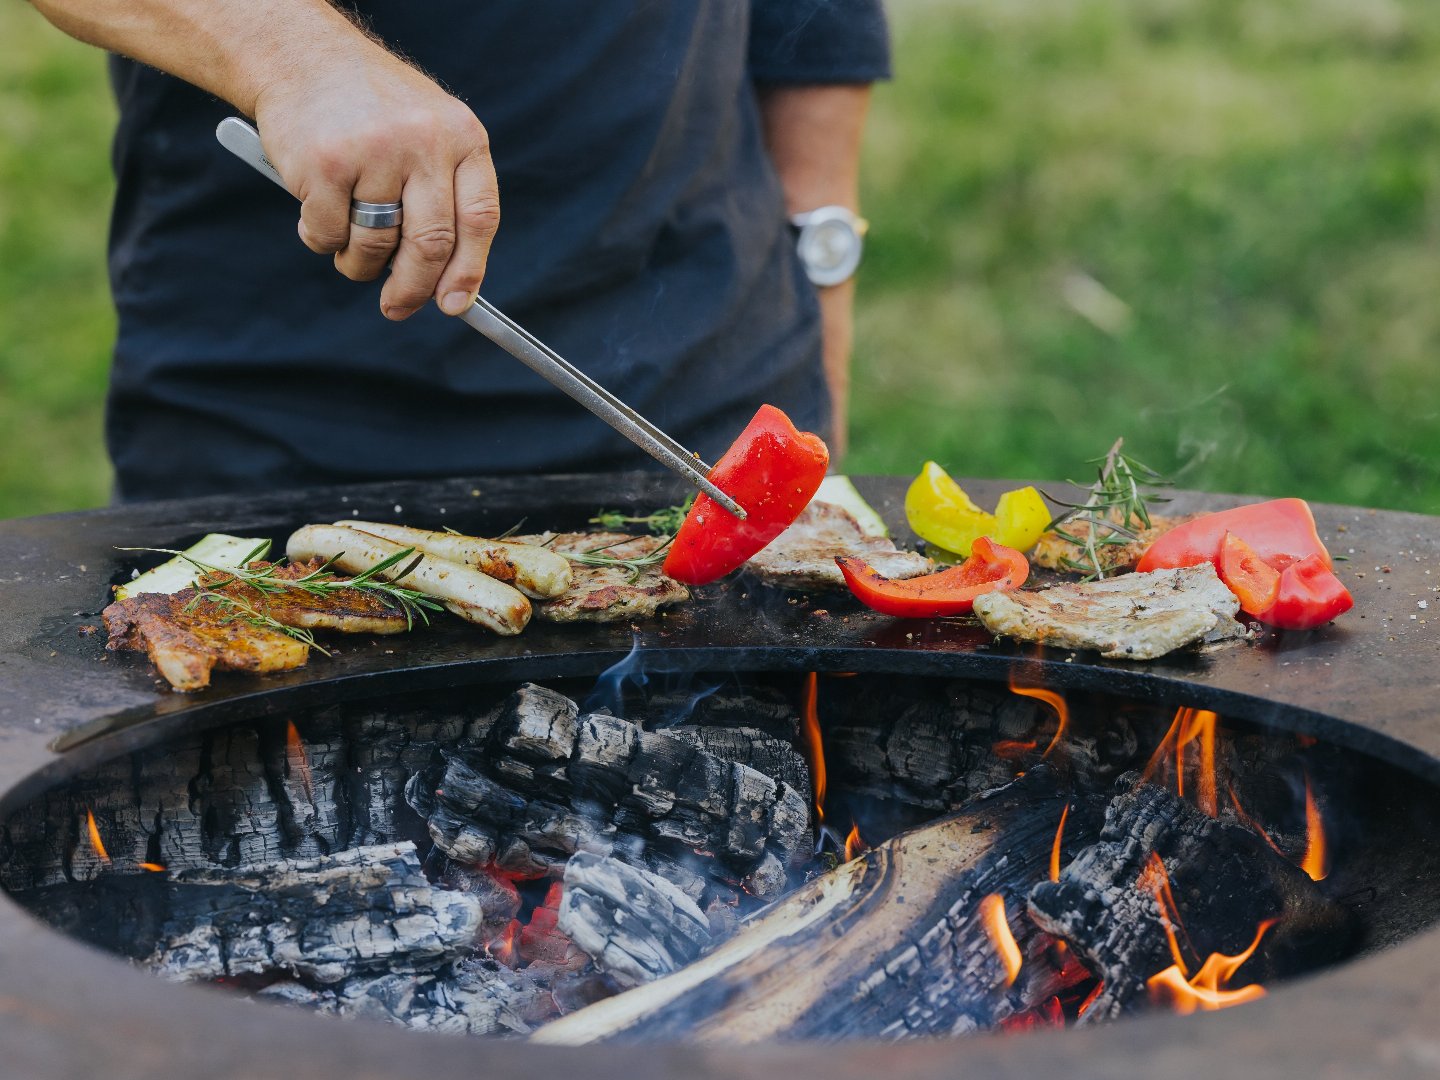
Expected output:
(818, 41)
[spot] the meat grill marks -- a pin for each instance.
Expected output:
(607, 593)
(803, 556)
(188, 636)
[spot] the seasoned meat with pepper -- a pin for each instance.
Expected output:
(1131, 617)
(611, 593)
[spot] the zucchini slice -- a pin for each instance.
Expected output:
(839, 491)
(216, 549)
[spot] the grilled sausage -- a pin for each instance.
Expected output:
(473, 596)
(533, 570)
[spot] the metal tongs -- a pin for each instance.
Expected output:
(243, 141)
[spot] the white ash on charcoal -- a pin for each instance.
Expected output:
(1224, 879)
(547, 782)
(467, 998)
(634, 924)
(365, 910)
(842, 957)
(242, 795)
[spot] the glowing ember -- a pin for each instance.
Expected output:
(1055, 701)
(997, 928)
(1055, 848)
(96, 844)
(153, 867)
(1090, 999)
(1314, 861)
(811, 743)
(1207, 990)
(298, 759)
(854, 845)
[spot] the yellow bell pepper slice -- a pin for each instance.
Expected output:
(942, 514)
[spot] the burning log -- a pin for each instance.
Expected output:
(845, 956)
(635, 925)
(1165, 881)
(366, 910)
(546, 782)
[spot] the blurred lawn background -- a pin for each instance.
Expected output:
(1211, 226)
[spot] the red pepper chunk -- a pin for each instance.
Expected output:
(1310, 595)
(1280, 532)
(773, 471)
(990, 568)
(1253, 581)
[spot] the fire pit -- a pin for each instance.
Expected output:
(1360, 686)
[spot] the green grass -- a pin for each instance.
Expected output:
(1211, 226)
(1251, 187)
(56, 325)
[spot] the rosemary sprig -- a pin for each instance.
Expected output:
(597, 557)
(663, 522)
(264, 580)
(1115, 510)
(240, 608)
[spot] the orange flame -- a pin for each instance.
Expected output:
(1248, 820)
(854, 845)
(1055, 848)
(1155, 880)
(96, 844)
(813, 746)
(505, 946)
(1207, 990)
(1189, 725)
(1054, 700)
(299, 760)
(153, 867)
(1012, 749)
(997, 927)
(1314, 861)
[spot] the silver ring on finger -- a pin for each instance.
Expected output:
(375, 215)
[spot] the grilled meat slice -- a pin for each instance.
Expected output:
(350, 611)
(1052, 552)
(187, 642)
(803, 556)
(607, 593)
(1131, 617)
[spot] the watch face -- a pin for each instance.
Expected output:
(830, 250)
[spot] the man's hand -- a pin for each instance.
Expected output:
(380, 131)
(813, 135)
(342, 118)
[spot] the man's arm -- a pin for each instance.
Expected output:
(813, 135)
(341, 117)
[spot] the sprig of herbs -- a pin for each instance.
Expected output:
(663, 522)
(598, 557)
(1115, 510)
(318, 582)
(240, 608)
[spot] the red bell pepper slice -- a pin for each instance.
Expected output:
(1249, 577)
(1280, 532)
(1309, 595)
(772, 471)
(990, 568)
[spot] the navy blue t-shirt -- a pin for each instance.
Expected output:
(643, 236)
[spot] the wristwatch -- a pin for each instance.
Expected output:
(829, 243)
